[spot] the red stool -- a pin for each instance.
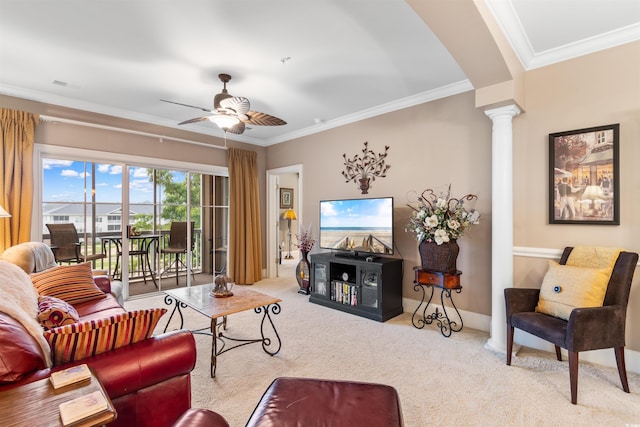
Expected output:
(306, 402)
(200, 417)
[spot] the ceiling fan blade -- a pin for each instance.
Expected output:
(263, 119)
(196, 120)
(187, 105)
(237, 129)
(236, 104)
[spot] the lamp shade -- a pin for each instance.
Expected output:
(5, 214)
(224, 121)
(593, 192)
(290, 214)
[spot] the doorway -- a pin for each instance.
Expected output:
(288, 177)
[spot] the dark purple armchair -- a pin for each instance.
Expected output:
(587, 329)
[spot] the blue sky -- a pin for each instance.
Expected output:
(357, 213)
(64, 181)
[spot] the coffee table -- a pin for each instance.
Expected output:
(199, 298)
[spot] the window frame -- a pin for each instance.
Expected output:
(58, 152)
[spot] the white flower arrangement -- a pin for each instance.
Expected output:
(441, 218)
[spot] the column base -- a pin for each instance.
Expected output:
(500, 347)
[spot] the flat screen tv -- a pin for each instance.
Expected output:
(357, 227)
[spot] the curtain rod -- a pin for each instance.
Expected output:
(161, 138)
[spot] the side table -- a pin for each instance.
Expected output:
(37, 404)
(447, 282)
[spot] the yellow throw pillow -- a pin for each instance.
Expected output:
(567, 287)
(71, 283)
(594, 257)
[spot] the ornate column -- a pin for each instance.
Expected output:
(502, 219)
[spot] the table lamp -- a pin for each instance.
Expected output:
(289, 214)
(5, 214)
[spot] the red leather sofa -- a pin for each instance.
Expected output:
(148, 382)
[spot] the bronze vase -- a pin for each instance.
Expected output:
(439, 257)
(303, 273)
(364, 185)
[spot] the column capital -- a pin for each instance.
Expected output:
(508, 110)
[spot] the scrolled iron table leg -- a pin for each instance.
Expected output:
(146, 247)
(216, 331)
(177, 305)
(266, 341)
(214, 345)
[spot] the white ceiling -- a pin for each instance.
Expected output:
(316, 64)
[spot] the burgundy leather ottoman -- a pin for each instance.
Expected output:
(314, 402)
(200, 417)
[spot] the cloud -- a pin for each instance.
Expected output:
(109, 169)
(70, 173)
(141, 185)
(63, 196)
(139, 173)
(55, 163)
(328, 209)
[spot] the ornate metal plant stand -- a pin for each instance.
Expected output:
(447, 282)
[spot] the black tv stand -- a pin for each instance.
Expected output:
(358, 256)
(368, 288)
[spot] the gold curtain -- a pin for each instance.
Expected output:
(245, 234)
(17, 131)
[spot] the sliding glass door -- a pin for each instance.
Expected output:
(136, 230)
(85, 194)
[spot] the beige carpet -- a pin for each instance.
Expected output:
(441, 381)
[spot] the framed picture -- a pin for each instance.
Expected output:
(584, 177)
(286, 198)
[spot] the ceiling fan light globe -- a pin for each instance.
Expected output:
(224, 121)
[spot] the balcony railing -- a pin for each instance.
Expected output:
(144, 252)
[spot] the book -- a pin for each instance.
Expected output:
(70, 375)
(82, 407)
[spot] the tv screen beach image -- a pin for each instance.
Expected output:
(357, 225)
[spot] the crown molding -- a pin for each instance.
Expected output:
(410, 101)
(604, 41)
(512, 28)
(46, 98)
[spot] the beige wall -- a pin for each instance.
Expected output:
(431, 145)
(598, 89)
(69, 135)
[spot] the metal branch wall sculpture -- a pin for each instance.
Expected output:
(364, 168)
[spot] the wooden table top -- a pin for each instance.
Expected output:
(37, 404)
(200, 299)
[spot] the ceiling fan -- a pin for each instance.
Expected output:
(231, 113)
